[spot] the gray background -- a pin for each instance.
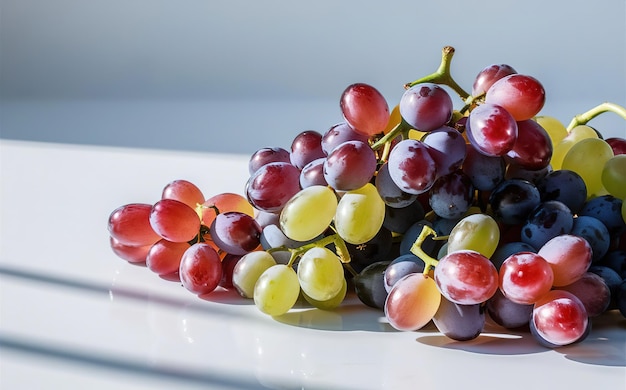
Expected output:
(234, 76)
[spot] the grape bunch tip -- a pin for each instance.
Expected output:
(430, 213)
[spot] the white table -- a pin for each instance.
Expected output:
(73, 315)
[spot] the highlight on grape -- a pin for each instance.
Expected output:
(425, 212)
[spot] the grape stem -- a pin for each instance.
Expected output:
(582, 119)
(340, 247)
(417, 250)
(442, 75)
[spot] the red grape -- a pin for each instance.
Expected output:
(525, 277)
(559, 317)
(174, 220)
(130, 225)
(200, 269)
(521, 95)
(491, 129)
(466, 277)
(183, 191)
(489, 75)
(364, 109)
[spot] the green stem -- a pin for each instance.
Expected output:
(417, 250)
(442, 75)
(582, 119)
(401, 128)
(340, 246)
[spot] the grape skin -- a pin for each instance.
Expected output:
(426, 106)
(175, 221)
(521, 95)
(130, 225)
(411, 167)
(412, 302)
(349, 166)
(525, 277)
(466, 277)
(560, 318)
(364, 108)
(200, 269)
(276, 290)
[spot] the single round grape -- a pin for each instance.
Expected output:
(521, 95)
(175, 221)
(532, 149)
(183, 191)
(617, 144)
(350, 166)
(614, 176)
(369, 285)
(560, 318)
(611, 278)
(412, 302)
(587, 158)
(248, 270)
(525, 277)
(507, 313)
(484, 171)
(276, 290)
(491, 129)
(200, 269)
(560, 149)
(338, 134)
(308, 213)
(306, 147)
(228, 266)
(606, 208)
(563, 185)
(592, 291)
(569, 256)
(364, 108)
(360, 214)
(459, 322)
(452, 195)
(616, 260)
(489, 75)
(272, 186)
(130, 225)
(313, 174)
(447, 148)
(476, 232)
(320, 273)
(399, 220)
(548, 220)
(411, 167)
(595, 232)
(466, 277)
(267, 155)
(165, 256)
(235, 232)
(426, 106)
(512, 200)
(331, 303)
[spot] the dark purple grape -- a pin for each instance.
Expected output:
(306, 147)
(451, 195)
(447, 148)
(565, 186)
(375, 250)
(338, 134)
(399, 220)
(235, 232)
(272, 185)
(548, 220)
(616, 260)
(484, 171)
(507, 313)
(459, 322)
(426, 106)
(391, 194)
(369, 285)
(607, 209)
(313, 174)
(513, 200)
(595, 232)
(400, 267)
(533, 147)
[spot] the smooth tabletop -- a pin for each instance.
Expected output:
(73, 315)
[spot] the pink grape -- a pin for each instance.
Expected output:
(349, 166)
(338, 134)
(270, 187)
(489, 75)
(532, 149)
(521, 95)
(426, 106)
(447, 147)
(267, 155)
(525, 277)
(466, 277)
(130, 225)
(183, 191)
(491, 129)
(174, 220)
(200, 269)
(235, 232)
(306, 147)
(569, 256)
(559, 317)
(364, 109)
(411, 167)
(164, 256)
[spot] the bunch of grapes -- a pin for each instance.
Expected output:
(424, 211)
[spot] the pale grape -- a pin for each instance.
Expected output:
(320, 273)
(555, 129)
(569, 256)
(249, 269)
(412, 302)
(360, 214)
(477, 232)
(308, 213)
(277, 290)
(614, 176)
(562, 147)
(587, 158)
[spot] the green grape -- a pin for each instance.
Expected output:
(587, 158)
(329, 304)
(360, 214)
(320, 273)
(576, 134)
(477, 232)
(555, 129)
(308, 213)
(277, 290)
(614, 176)
(248, 270)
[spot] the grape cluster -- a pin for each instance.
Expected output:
(426, 212)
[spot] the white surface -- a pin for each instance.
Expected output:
(73, 315)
